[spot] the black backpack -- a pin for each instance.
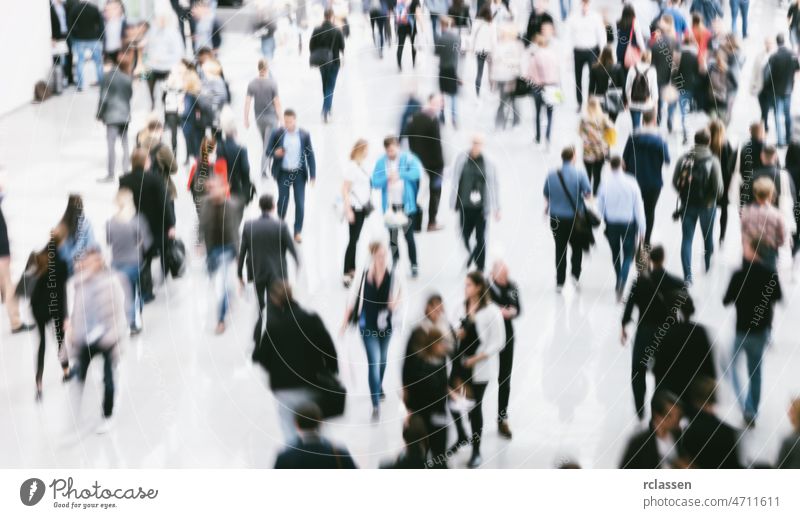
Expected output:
(640, 89)
(693, 180)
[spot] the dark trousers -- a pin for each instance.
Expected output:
(408, 233)
(723, 219)
(296, 181)
(644, 337)
(264, 302)
(171, 122)
(355, 232)
(765, 103)
(329, 73)
(504, 379)
(435, 194)
(153, 77)
(650, 199)
(481, 61)
(146, 275)
(41, 325)
(474, 220)
(622, 240)
(538, 101)
(476, 415)
(437, 438)
(563, 236)
(376, 18)
(593, 170)
(85, 355)
(583, 58)
(403, 32)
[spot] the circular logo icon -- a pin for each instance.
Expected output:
(31, 491)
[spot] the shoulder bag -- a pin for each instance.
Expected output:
(585, 220)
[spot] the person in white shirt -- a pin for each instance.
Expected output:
(620, 204)
(356, 194)
(483, 40)
(588, 35)
(641, 88)
(481, 338)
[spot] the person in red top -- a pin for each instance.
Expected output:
(203, 168)
(702, 35)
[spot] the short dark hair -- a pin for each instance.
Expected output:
(307, 416)
(288, 112)
(615, 162)
(769, 152)
(328, 14)
(657, 254)
(568, 153)
(388, 141)
(266, 202)
(702, 137)
(702, 391)
(649, 116)
(262, 65)
(779, 39)
(663, 401)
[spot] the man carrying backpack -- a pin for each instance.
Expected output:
(698, 180)
(641, 88)
(474, 196)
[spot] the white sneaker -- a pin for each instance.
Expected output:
(105, 426)
(577, 284)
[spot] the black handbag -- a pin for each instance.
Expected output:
(176, 257)
(522, 87)
(330, 394)
(585, 221)
(355, 315)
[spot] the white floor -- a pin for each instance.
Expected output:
(187, 398)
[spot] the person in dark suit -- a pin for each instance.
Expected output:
(780, 72)
(293, 164)
(85, 29)
(709, 442)
(59, 29)
(328, 37)
(311, 450)
(152, 201)
(238, 166)
(424, 140)
(265, 242)
(658, 446)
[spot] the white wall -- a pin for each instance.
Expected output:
(24, 50)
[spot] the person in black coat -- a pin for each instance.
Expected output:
(780, 72)
(327, 39)
(415, 454)
(49, 302)
(505, 294)
(683, 355)
(85, 30)
(311, 450)
(295, 349)
(238, 167)
(152, 201)
(726, 154)
(425, 140)
(658, 446)
(59, 29)
(793, 168)
(709, 443)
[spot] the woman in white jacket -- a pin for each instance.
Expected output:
(483, 37)
(506, 67)
(481, 337)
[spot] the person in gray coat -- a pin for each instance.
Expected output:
(474, 196)
(264, 245)
(114, 110)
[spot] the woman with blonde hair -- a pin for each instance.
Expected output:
(593, 127)
(128, 235)
(356, 193)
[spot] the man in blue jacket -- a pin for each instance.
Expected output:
(397, 175)
(645, 155)
(293, 164)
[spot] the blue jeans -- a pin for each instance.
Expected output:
(783, 105)
(736, 6)
(691, 215)
(377, 344)
(134, 305)
(622, 240)
(636, 118)
(329, 73)
(295, 180)
(566, 7)
(79, 49)
(220, 258)
(268, 47)
(753, 344)
(685, 102)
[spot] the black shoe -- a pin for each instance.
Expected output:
(475, 460)
(135, 330)
(504, 429)
(23, 328)
(148, 298)
(749, 421)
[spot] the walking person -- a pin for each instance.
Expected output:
(588, 36)
(564, 191)
(653, 292)
(619, 203)
(760, 88)
(641, 88)
(781, 69)
(378, 11)
(544, 76)
(265, 243)
(376, 298)
(7, 290)
(504, 71)
(327, 41)
(762, 225)
(698, 180)
(483, 339)
(425, 141)
(739, 6)
(309, 449)
(483, 36)
(406, 27)
(686, 78)
(593, 127)
(128, 235)
(293, 164)
(396, 175)
(645, 155)
(114, 110)
(85, 34)
(754, 290)
(709, 10)
(658, 446)
(448, 48)
(505, 294)
(96, 327)
(629, 32)
(164, 50)
(726, 154)
(357, 201)
(475, 196)
(75, 232)
(219, 228)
